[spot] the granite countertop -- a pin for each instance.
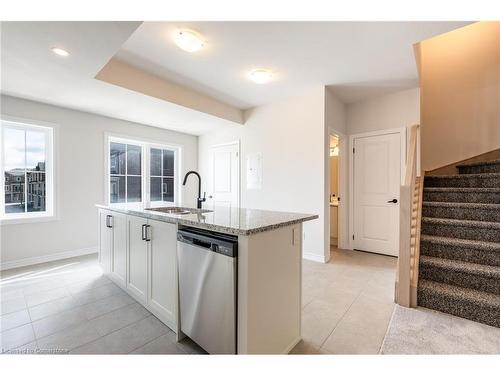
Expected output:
(237, 221)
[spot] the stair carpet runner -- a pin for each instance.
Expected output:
(459, 268)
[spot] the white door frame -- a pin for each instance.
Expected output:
(237, 143)
(342, 186)
(402, 133)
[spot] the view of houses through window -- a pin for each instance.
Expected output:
(128, 163)
(24, 167)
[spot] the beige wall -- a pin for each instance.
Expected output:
(291, 136)
(79, 178)
(395, 110)
(460, 87)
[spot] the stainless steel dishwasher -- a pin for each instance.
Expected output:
(207, 264)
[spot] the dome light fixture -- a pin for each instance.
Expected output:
(60, 52)
(261, 76)
(189, 40)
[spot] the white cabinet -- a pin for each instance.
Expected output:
(137, 280)
(105, 240)
(119, 249)
(162, 271)
(140, 255)
(113, 245)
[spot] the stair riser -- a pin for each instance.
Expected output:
(473, 255)
(461, 197)
(491, 168)
(458, 307)
(468, 233)
(463, 182)
(462, 213)
(459, 278)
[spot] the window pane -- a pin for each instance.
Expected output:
(117, 189)
(133, 159)
(117, 158)
(168, 163)
(35, 150)
(155, 189)
(36, 191)
(155, 168)
(14, 152)
(14, 191)
(168, 189)
(133, 189)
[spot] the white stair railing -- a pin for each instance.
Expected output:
(409, 227)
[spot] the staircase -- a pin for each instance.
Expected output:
(459, 267)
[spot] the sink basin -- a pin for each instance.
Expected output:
(178, 210)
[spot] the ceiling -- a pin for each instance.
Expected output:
(30, 70)
(354, 59)
(357, 59)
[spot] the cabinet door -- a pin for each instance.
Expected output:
(105, 241)
(162, 296)
(119, 263)
(137, 281)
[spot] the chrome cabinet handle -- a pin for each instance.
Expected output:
(143, 232)
(108, 221)
(148, 234)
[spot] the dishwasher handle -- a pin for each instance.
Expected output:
(210, 242)
(194, 241)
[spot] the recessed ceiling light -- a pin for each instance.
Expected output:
(261, 76)
(188, 40)
(60, 51)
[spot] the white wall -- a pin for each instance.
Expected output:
(335, 112)
(395, 110)
(290, 134)
(336, 123)
(384, 112)
(80, 177)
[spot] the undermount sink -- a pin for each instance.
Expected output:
(178, 210)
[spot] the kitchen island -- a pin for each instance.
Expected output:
(138, 251)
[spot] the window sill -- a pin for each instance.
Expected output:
(28, 219)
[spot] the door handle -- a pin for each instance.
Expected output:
(147, 236)
(393, 201)
(143, 232)
(108, 221)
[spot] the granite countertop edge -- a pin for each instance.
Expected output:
(210, 226)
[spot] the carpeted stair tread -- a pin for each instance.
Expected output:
(479, 163)
(464, 274)
(461, 195)
(476, 180)
(490, 166)
(480, 252)
(459, 242)
(464, 302)
(467, 229)
(462, 211)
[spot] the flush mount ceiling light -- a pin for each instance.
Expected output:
(60, 51)
(188, 40)
(261, 76)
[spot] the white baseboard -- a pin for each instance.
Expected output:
(313, 257)
(46, 258)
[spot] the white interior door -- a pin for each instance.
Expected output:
(377, 179)
(225, 176)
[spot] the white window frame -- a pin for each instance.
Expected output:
(146, 146)
(50, 212)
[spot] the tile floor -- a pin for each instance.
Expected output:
(347, 303)
(70, 307)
